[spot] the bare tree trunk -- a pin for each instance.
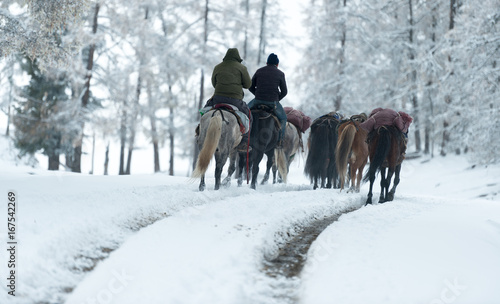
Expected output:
(338, 98)
(245, 42)
(171, 132)
(93, 155)
(262, 40)
(451, 25)
(136, 107)
(202, 77)
(154, 132)
(77, 157)
(123, 138)
(453, 13)
(429, 130)
(413, 95)
(54, 162)
(133, 124)
(11, 85)
(106, 160)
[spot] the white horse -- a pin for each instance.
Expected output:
(219, 135)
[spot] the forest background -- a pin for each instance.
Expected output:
(133, 74)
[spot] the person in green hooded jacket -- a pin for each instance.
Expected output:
(229, 78)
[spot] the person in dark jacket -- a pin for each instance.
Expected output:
(269, 87)
(229, 78)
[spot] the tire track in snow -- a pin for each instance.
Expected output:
(188, 199)
(284, 269)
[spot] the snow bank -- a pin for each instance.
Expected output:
(436, 243)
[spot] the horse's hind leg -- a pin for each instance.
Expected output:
(390, 195)
(230, 170)
(202, 183)
(220, 161)
(255, 168)
(390, 173)
(275, 170)
(370, 193)
(242, 159)
(315, 186)
(269, 164)
(383, 185)
(352, 177)
(360, 176)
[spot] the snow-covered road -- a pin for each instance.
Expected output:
(156, 239)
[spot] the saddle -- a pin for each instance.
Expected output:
(327, 119)
(244, 125)
(269, 110)
(232, 109)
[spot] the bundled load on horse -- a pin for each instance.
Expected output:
(387, 117)
(298, 119)
(387, 146)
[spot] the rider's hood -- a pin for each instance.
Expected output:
(232, 55)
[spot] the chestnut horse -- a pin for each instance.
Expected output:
(352, 150)
(387, 149)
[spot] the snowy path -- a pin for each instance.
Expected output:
(156, 239)
(212, 253)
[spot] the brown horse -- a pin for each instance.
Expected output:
(352, 150)
(387, 149)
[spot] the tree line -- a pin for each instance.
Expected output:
(147, 60)
(124, 69)
(437, 60)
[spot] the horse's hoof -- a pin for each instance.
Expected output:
(202, 188)
(389, 197)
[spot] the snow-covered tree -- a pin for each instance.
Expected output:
(33, 27)
(42, 119)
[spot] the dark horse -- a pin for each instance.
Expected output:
(219, 134)
(320, 162)
(263, 140)
(386, 147)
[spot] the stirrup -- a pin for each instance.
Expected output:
(242, 147)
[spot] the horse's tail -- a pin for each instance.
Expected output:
(281, 163)
(210, 144)
(381, 152)
(317, 157)
(343, 150)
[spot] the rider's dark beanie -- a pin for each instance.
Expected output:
(273, 59)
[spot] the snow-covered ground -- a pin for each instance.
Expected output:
(156, 239)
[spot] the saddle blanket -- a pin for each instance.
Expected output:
(387, 117)
(297, 118)
(243, 120)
